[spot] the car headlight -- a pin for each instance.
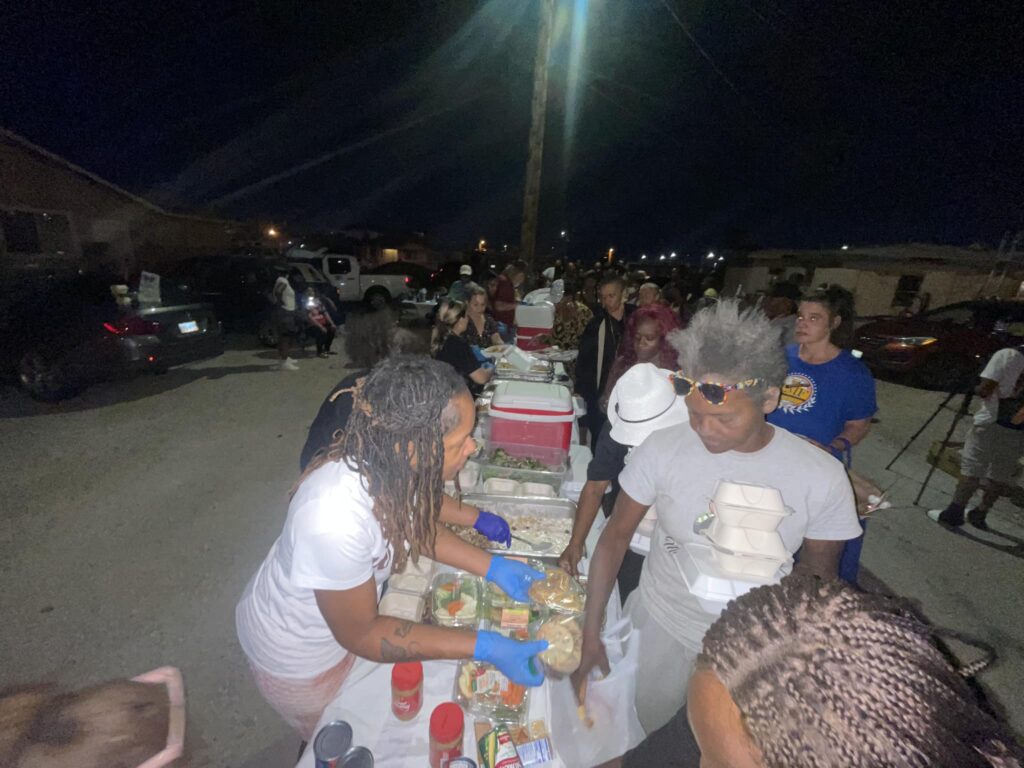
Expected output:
(914, 341)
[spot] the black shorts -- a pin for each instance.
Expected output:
(285, 322)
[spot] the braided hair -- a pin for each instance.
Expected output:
(401, 412)
(829, 677)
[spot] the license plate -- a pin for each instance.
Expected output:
(190, 326)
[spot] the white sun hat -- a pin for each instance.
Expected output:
(644, 401)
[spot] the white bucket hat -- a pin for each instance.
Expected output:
(644, 401)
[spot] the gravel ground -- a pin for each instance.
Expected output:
(135, 514)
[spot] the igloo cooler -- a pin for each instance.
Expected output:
(531, 413)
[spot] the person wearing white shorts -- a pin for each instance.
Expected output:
(994, 443)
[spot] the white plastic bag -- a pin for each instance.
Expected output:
(610, 705)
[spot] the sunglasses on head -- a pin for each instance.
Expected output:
(713, 392)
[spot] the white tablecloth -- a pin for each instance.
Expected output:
(365, 704)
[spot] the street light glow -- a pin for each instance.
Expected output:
(711, 254)
(846, 248)
(721, 258)
(672, 255)
(662, 257)
(643, 257)
(563, 233)
(482, 245)
(271, 232)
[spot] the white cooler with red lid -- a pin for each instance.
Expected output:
(534, 321)
(531, 413)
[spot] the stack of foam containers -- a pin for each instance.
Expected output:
(743, 535)
(744, 548)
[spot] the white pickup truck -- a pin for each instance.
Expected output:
(343, 271)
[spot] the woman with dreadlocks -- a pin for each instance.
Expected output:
(814, 674)
(360, 511)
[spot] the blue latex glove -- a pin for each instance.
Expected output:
(493, 527)
(513, 577)
(514, 659)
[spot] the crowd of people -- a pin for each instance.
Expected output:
(680, 395)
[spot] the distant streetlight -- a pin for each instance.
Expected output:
(482, 245)
(662, 257)
(563, 233)
(643, 257)
(711, 255)
(721, 258)
(611, 254)
(271, 232)
(672, 255)
(846, 248)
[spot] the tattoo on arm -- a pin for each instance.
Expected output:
(391, 653)
(404, 628)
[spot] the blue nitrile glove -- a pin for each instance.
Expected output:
(515, 659)
(513, 577)
(493, 527)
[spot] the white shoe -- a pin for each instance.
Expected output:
(289, 365)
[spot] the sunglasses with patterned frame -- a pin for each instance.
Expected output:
(713, 392)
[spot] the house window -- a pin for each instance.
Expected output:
(20, 232)
(28, 232)
(906, 290)
(389, 254)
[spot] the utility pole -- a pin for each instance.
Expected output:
(535, 160)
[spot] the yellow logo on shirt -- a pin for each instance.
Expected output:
(798, 393)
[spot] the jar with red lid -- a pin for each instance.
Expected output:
(407, 689)
(446, 726)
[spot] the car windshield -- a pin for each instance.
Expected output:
(958, 314)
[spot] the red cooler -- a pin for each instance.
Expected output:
(531, 413)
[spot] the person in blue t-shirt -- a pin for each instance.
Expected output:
(828, 395)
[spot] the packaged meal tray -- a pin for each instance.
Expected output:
(558, 591)
(564, 633)
(481, 689)
(456, 600)
(509, 617)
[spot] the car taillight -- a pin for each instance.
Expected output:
(408, 280)
(132, 326)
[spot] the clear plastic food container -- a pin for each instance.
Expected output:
(525, 464)
(482, 690)
(509, 617)
(457, 600)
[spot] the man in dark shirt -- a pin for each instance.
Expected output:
(598, 345)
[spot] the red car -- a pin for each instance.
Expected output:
(944, 348)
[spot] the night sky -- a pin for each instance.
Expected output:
(794, 123)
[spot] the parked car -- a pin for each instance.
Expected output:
(353, 285)
(61, 335)
(419, 276)
(944, 348)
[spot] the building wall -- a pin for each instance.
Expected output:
(106, 227)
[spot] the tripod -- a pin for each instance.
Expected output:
(960, 413)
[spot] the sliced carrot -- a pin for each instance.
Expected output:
(455, 606)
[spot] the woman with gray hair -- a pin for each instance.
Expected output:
(732, 366)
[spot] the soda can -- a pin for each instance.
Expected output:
(332, 743)
(461, 762)
(357, 757)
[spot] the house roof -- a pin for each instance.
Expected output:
(923, 253)
(17, 139)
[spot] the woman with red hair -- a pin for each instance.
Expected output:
(644, 342)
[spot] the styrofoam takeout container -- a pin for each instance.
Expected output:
(745, 566)
(747, 541)
(706, 580)
(500, 486)
(744, 505)
(401, 605)
(538, 489)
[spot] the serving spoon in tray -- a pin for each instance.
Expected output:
(539, 547)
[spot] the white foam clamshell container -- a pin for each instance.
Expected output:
(708, 582)
(747, 541)
(745, 505)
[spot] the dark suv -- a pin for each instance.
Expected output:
(945, 348)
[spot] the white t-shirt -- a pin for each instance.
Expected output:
(331, 540)
(673, 469)
(1005, 368)
(285, 293)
